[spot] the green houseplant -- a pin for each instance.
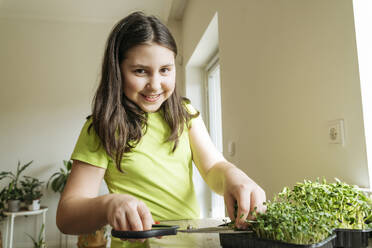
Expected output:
(58, 180)
(40, 242)
(2, 204)
(2, 208)
(13, 193)
(32, 192)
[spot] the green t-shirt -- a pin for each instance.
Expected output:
(153, 174)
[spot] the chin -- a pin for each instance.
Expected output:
(150, 109)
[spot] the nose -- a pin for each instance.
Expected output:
(155, 82)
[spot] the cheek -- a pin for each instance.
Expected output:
(170, 83)
(133, 84)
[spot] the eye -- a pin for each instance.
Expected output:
(140, 71)
(164, 70)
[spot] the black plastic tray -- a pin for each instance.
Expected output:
(231, 240)
(352, 238)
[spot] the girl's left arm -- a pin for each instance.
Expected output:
(223, 177)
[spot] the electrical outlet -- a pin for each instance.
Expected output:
(336, 132)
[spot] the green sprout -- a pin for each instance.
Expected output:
(310, 212)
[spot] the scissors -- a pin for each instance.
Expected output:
(165, 230)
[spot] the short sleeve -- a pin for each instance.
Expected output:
(89, 149)
(191, 110)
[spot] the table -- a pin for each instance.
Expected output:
(10, 223)
(190, 240)
(194, 240)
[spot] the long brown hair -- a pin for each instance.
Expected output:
(119, 122)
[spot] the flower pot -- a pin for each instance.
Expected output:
(93, 240)
(231, 240)
(352, 238)
(35, 205)
(14, 205)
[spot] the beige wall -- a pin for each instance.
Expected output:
(287, 68)
(48, 72)
(175, 28)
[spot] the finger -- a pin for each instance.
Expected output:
(258, 199)
(134, 219)
(121, 222)
(115, 225)
(145, 216)
(229, 202)
(253, 205)
(244, 206)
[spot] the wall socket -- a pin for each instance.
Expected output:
(336, 132)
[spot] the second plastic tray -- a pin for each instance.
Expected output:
(351, 238)
(232, 240)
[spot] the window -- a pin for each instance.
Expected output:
(363, 20)
(213, 99)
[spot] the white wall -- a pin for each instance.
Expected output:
(48, 74)
(287, 68)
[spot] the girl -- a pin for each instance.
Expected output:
(141, 138)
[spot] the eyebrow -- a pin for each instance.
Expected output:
(144, 66)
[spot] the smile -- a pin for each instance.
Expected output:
(151, 98)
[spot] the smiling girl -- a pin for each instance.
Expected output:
(141, 139)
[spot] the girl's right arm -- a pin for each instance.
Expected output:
(81, 210)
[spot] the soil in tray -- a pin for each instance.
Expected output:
(351, 238)
(246, 241)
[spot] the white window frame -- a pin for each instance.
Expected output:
(212, 91)
(363, 20)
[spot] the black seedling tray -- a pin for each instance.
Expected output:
(352, 238)
(231, 240)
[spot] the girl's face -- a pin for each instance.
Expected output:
(149, 75)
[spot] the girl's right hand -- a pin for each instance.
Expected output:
(127, 213)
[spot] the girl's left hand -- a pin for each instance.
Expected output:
(243, 190)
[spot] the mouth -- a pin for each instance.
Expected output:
(152, 97)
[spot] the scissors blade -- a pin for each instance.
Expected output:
(219, 229)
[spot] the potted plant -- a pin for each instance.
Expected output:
(40, 242)
(13, 193)
(2, 216)
(32, 192)
(14, 196)
(98, 239)
(59, 178)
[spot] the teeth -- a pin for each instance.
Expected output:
(152, 96)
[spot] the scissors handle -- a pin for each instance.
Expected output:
(157, 230)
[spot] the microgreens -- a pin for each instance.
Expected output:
(311, 211)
